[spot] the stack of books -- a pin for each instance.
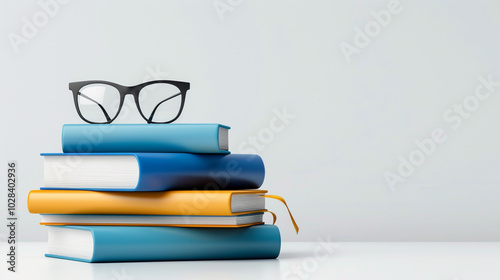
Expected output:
(142, 192)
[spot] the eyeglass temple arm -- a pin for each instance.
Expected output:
(154, 110)
(100, 106)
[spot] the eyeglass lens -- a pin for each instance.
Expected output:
(160, 102)
(99, 102)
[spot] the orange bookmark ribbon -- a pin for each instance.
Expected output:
(277, 197)
(274, 216)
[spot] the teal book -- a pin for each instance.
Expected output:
(145, 138)
(129, 244)
(152, 171)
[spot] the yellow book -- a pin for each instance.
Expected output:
(233, 208)
(196, 203)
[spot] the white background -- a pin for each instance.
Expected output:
(351, 120)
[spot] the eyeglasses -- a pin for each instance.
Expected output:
(100, 102)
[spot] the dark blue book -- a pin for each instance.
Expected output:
(152, 171)
(123, 243)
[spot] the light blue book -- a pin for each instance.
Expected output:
(122, 243)
(145, 138)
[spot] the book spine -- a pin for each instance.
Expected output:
(139, 138)
(113, 243)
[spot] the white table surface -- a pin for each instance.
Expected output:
(351, 260)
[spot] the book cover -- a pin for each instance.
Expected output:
(216, 203)
(152, 171)
(145, 138)
(117, 243)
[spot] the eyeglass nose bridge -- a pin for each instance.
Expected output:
(129, 91)
(135, 92)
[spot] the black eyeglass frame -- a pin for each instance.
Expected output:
(75, 87)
